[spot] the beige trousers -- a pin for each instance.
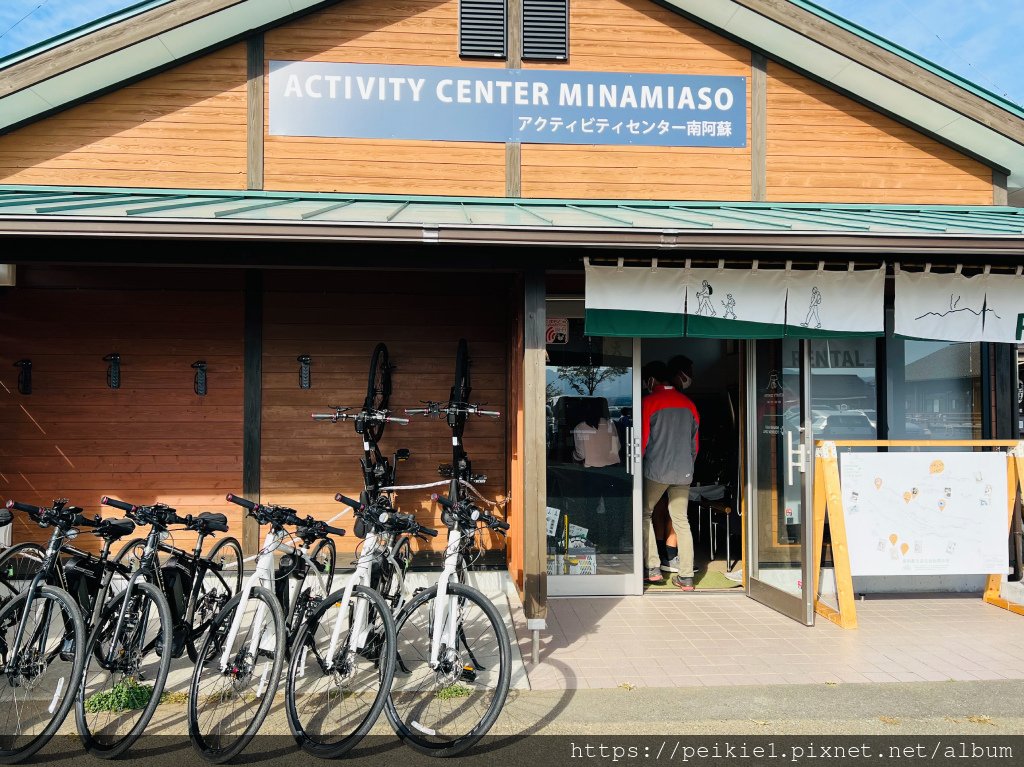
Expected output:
(678, 502)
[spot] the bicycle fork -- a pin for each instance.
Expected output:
(359, 627)
(264, 574)
(446, 618)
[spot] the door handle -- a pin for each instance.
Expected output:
(800, 462)
(629, 449)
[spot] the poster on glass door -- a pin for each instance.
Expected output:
(925, 513)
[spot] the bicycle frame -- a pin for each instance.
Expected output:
(147, 570)
(361, 577)
(445, 629)
(263, 575)
(197, 568)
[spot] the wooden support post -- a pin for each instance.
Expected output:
(830, 497)
(535, 579)
(252, 451)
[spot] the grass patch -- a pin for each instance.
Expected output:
(179, 698)
(126, 695)
(453, 691)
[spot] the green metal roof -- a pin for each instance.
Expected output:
(33, 203)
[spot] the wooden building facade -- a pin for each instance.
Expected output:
(208, 266)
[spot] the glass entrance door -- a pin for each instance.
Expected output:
(592, 459)
(779, 477)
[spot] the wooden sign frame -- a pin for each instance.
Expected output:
(828, 503)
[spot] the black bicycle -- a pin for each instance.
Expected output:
(42, 645)
(196, 586)
(130, 639)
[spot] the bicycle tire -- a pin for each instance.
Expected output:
(461, 388)
(329, 561)
(135, 545)
(335, 731)
(378, 389)
(419, 706)
(103, 740)
(392, 582)
(227, 551)
(213, 703)
(70, 672)
(18, 565)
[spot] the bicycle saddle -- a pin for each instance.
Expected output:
(211, 522)
(5, 517)
(113, 529)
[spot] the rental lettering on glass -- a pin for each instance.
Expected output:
(505, 105)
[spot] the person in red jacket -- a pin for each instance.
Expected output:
(669, 445)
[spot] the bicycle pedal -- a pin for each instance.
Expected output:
(468, 674)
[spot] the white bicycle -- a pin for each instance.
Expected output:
(343, 658)
(453, 652)
(239, 663)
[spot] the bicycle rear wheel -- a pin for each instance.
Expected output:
(234, 683)
(118, 697)
(18, 565)
(38, 682)
(445, 710)
(332, 701)
(461, 387)
(219, 584)
(378, 389)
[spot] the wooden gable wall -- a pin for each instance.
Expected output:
(187, 127)
(183, 128)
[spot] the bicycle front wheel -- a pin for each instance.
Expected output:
(333, 699)
(445, 710)
(39, 675)
(236, 677)
(125, 671)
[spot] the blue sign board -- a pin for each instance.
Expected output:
(531, 106)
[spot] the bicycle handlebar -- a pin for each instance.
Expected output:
(244, 503)
(404, 523)
(355, 505)
(84, 521)
(113, 502)
(451, 408)
(26, 507)
(340, 414)
(471, 513)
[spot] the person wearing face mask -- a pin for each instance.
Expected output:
(669, 445)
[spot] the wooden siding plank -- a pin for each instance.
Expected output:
(823, 146)
(304, 462)
(153, 440)
(111, 141)
(637, 36)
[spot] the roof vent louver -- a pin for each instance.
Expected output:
(482, 28)
(546, 29)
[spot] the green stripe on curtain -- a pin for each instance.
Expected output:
(798, 332)
(716, 327)
(615, 322)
